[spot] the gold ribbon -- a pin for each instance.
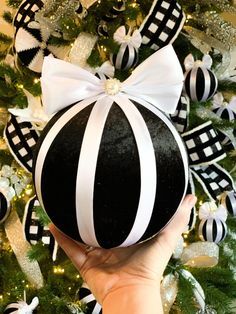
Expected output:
(20, 247)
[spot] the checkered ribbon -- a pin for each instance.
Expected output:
(21, 138)
(204, 150)
(35, 231)
(162, 24)
(180, 116)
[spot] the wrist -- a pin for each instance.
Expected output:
(138, 299)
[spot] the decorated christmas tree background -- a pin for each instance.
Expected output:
(111, 40)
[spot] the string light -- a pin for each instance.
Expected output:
(58, 270)
(1, 297)
(36, 80)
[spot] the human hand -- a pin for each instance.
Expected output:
(122, 269)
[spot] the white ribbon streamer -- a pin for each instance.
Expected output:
(158, 80)
(211, 210)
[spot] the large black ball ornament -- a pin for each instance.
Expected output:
(109, 194)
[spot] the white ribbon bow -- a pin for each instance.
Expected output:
(189, 62)
(28, 309)
(218, 101)
(158, 80)
(211, 210)
(121, 37)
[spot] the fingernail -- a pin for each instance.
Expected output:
(191, 200)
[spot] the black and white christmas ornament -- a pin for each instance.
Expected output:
(162, 24)
(226, 111)
(127, 56)
(223, 109)
(122, 157)
(32, 38)
(4, 207)
(21, 307)
(200, 82)
(212, 230)
(230, 202)
(86, 297)
(111, 15)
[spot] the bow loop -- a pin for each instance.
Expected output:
(158, 80)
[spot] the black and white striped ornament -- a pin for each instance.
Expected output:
(200, 82)
(111, 15)
(223, 109)
(4, 207)
(127, 55)
(230, 202)
(21, 307)
(162, 24)
(212, 230)
(116, 213)
(86, 297)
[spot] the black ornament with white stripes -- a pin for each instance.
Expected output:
(4, 207)
(162, 24)
(212, 230)
(86, 297)
(110, 199)
(125, 58)
(21, 138)
(200, 83)
(111, 15)
(230, 202)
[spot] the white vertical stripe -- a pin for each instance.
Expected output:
(147, 169)
(89, 298)
(87, 169)
(175, 134)
(192, 84)
(207, 84)
(219, 230)
(209, 230)
(97, 308)
(49, 138)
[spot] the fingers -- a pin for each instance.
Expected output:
(169, 236)
(73, 250)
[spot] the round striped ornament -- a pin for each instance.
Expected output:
(212, 230)
(106, 180)
(4, 207)
(200, 83)
(225, 113)
(126, 58)
(230, 202)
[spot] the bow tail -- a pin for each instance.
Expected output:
(214, 179)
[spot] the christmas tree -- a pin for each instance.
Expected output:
(110, 39)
